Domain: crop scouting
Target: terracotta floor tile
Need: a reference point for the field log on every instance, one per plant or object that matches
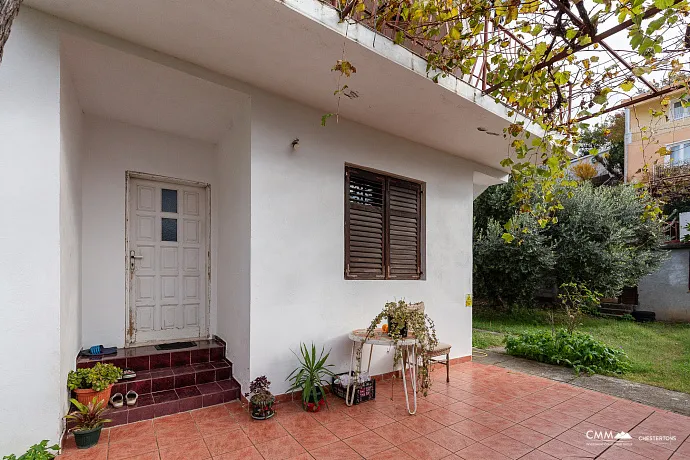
(138, 430)
(464, 409)
(207, 413)
(98, 452)
(421, 424)
(246, 453)
(195, 450)
(297, 422)
(227, 442)
(450, 440)
(579, 439)
(130, 448)
(313, 438)
(526, 435)
(396, 433)
(617, 453)
(336, 451)
(177, 435)
(492, 421)
(235, 407)
(329, 415)
(368, 444)
(646, 449)
(391, 454)
(444, 416)
(507, 446)
(173, 421)
(562, 450)
(216, 425)
(558, 418)
(263, 430)
(280, 448)
(473, 430)
(479, 451)
(424, 449)
(374, 419)
(543, 426)
(148, 456)
(346, 428)
(538, 455)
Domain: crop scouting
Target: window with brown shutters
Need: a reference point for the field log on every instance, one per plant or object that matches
(383, 226)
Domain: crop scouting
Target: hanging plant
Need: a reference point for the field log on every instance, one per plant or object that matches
(404, 321)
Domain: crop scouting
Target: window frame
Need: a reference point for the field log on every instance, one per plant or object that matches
(386, 250)
(669, 158)
(672, 114)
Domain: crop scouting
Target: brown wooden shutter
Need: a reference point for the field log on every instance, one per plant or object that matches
(364, 225)
(404, 229)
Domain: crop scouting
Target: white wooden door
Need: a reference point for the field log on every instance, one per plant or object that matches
(167, 259)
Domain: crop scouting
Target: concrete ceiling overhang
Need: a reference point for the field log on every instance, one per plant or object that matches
(281, 48)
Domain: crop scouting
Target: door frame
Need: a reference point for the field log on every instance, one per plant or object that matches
(129, 314)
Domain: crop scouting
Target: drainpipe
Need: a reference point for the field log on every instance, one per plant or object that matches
(626, 140)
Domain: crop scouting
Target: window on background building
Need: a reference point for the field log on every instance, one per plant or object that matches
(680, 153)
(383, 226)
(678, 111)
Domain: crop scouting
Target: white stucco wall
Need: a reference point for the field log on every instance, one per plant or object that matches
(234, 226)
(298, 291)
(30, 235)
(111, 148)
(71, 123)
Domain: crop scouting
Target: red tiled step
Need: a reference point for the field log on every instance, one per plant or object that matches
(148, 358)
(167, 402)
(175, 377)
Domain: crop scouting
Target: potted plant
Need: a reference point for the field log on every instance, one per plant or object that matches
(89, 422)
(93, 382)
(261, 399)
(402, 316)
(40, 451)
(311, 377)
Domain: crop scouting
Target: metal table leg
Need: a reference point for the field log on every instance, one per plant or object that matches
(413, 378)
(349, 401)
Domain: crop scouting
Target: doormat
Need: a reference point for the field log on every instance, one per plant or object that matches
(175, 346)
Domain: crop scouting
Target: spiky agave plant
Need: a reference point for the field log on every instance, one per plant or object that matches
(88, 416)
(311, 376)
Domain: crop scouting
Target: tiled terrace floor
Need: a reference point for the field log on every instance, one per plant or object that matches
(485, 413)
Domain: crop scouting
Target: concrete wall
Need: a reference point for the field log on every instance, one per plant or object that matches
(71, 130)
(111, 148)
(234, 233)
(30, 235)
(666, 290)
(298, 290)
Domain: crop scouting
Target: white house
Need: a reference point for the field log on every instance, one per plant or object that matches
(187, 135)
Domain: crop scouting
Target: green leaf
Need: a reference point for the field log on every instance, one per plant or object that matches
(627, 85)
(507, 237)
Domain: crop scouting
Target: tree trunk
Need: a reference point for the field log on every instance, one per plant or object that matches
(8, 11)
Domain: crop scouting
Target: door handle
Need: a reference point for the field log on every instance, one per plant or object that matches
(133, 258)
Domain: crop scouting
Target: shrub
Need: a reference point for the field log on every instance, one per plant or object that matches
(577, 299)
(40, 451)
(97, 378)
(584, 171)
(579, 351)
(511, 273)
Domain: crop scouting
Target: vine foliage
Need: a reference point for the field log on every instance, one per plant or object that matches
(402, 315)
(549, 62)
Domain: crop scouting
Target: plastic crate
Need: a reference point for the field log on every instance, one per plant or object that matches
(366, 391)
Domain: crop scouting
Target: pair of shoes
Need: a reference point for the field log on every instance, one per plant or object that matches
(128, 373)
(117, 400)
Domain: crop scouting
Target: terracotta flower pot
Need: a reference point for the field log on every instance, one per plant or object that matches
(85, 396)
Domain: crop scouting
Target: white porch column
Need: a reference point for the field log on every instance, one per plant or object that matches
(30, 234)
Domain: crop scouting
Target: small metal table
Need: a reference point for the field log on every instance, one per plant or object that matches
(378, 337)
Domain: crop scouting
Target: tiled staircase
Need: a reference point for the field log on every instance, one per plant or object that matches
(171, 381)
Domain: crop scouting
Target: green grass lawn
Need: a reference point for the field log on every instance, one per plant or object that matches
(659, 352)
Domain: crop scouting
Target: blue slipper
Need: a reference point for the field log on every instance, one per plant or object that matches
(99, 350)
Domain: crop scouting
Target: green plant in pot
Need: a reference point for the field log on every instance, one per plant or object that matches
(96, 381)
(311, 377)
(261, 399)
(403, 316)
(88, 422)
(40, 451)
